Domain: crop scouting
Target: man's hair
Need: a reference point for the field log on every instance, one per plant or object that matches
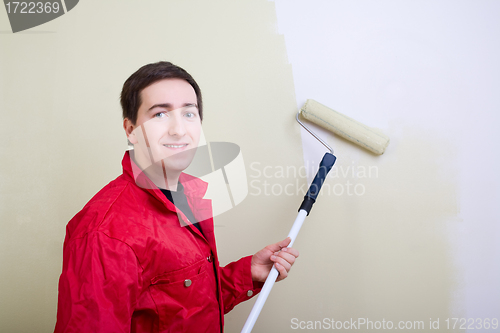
(130, 97)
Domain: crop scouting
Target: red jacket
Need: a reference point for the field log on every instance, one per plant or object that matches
(133, 263)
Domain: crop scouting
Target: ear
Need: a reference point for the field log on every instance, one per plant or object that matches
(129, 131)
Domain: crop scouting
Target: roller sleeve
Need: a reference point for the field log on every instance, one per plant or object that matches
(369, 138)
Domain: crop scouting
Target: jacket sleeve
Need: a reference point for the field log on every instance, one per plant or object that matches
(99, 285)
(236, 283)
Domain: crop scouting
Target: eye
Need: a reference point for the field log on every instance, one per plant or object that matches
(160, 115)
(191, 112)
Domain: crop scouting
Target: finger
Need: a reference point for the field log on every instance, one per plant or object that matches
(283, 272)
(287, 257)
(285, 242)
(291, 250)
(278, 246)
(283, 262)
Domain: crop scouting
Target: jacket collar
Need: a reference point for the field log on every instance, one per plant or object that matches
(194, 189)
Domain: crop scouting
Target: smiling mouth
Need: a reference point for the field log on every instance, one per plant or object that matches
(176, 146)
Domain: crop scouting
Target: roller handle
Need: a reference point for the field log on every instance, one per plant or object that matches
(324, 167)
(271, 278)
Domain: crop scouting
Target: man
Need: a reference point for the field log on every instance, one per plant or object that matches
(141, 255)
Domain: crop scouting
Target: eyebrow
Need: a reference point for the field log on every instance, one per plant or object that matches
(169, 106)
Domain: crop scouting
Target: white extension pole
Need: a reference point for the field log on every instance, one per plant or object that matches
(309, 199)
(271, 278)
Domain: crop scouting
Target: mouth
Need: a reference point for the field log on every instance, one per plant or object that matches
(176, 146)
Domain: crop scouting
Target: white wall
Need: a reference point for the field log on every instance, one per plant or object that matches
(425, 71)
(420, 242)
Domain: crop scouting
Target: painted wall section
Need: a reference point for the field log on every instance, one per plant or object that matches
(63, 137)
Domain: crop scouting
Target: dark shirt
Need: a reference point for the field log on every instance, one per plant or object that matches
(178, 198)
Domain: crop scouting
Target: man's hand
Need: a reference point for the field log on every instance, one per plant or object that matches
(278, 254)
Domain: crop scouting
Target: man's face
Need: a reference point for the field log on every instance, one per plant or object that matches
(168, 126)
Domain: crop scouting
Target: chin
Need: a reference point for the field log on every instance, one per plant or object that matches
(176, 165)
(180, 161)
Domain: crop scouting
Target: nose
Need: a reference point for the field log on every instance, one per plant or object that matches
(176, 125)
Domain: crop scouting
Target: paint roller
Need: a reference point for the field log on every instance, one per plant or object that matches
(369, 138)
